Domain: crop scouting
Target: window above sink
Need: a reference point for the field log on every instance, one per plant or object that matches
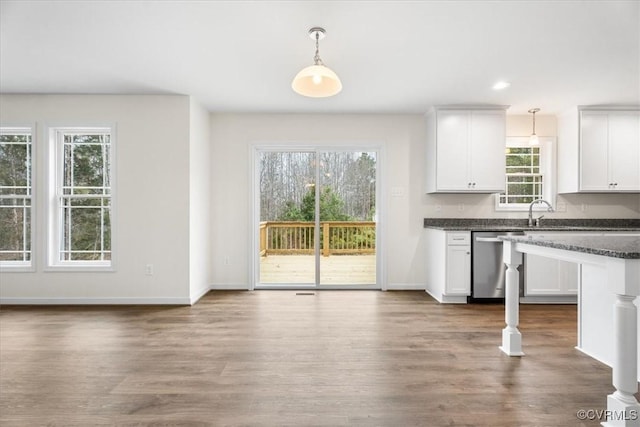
(529, 174)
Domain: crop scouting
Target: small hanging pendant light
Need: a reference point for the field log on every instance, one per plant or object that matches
(533, 139)
(317, 80)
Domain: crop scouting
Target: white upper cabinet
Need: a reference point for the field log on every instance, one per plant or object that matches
(465, 150)
(599, 151)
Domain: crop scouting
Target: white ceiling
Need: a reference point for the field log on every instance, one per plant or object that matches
(392, 56)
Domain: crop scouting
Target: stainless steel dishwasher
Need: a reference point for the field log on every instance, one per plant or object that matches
(487, 268)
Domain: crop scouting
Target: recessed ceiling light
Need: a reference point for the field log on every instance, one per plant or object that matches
(501, 85)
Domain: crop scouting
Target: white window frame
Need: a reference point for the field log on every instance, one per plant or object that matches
(547, 170)
(25, 265)
(55, 260)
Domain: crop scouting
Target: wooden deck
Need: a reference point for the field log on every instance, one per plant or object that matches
(334, 270)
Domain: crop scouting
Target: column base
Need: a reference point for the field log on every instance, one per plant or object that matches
(622, 412)
(511, 342)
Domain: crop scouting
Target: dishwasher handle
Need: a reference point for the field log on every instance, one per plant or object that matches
(488, 239)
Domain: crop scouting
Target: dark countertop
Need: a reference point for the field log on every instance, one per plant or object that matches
(510, 224)
(627, 247)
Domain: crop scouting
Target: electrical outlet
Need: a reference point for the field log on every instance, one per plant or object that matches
(438, 208)
(561, 207)
(583, 207)
(148, 269)
(460, 207)
(226, 260)
(397, 192)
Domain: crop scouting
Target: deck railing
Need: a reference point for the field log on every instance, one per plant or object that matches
(336, 237)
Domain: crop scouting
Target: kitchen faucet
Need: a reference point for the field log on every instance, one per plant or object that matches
(549, 209)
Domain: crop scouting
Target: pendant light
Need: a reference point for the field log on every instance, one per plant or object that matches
(533, 139)
(317, 80)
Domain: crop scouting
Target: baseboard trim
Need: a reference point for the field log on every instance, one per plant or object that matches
(447, 299)
(569, 299)
(198, 295)
(230, 287)
(405, 287)
(97, 301)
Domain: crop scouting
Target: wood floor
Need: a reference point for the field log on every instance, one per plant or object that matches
(274, 358)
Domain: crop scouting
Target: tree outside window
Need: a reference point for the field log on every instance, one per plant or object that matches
(15, 196)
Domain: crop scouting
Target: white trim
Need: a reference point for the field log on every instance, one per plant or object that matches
(51, 137)
(405, 287)
(548, 160)
(447, 299)
(230, 287)
(198, 295)
(84, 267)
(551, 299)
(26, 266)
(96, 301)
(254, 218)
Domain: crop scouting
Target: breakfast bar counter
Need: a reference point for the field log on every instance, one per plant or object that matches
(619, 258)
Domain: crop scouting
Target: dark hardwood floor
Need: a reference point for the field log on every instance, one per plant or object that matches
(275, 358)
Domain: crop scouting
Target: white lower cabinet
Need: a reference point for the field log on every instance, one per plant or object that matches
(448, 263)
(550, 277)
(458, 281)
(552, 280)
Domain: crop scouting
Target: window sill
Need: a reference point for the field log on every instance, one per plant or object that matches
(77, 268)
(524, 208)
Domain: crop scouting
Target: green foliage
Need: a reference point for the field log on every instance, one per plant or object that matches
(15, 212)
(291, 212)
(331, 206)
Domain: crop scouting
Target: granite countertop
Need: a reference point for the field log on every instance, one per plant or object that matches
(511, 224)
(612, 246)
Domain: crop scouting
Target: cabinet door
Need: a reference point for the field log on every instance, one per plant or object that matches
(458, 270)
(624, 151)
(548, 276)
(594, 137)
(452, 150)
(487, 150)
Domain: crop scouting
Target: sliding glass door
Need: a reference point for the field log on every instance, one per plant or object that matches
(317, 218)
(347, 218)
(287, 218)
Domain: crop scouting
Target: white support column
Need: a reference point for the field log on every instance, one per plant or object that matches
(511, 337)
(623, 409)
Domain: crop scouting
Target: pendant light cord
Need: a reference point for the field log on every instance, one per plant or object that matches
(534, 122)
(316, 58)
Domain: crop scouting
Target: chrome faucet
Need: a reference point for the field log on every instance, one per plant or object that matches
(537, 222)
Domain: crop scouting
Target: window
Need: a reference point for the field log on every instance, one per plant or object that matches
(528, 174)
(81, 197)
(16, 197)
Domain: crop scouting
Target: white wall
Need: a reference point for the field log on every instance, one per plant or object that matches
(232, 136)
(199, 202)
(152, 196)
(182, 182)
